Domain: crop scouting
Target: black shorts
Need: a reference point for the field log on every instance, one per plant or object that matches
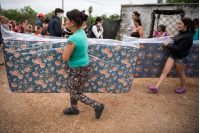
(182, 60)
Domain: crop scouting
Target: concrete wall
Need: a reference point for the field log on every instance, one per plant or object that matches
(146, 12)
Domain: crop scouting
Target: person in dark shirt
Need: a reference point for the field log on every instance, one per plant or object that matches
(54, 27)
(178, 54)
(38, 21)
(20, 25)
(45, 26)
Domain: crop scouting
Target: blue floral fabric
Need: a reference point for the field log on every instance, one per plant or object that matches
(35, 65)
(152, 58)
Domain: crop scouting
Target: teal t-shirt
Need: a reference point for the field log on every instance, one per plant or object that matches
(196, 35)
(79, 56)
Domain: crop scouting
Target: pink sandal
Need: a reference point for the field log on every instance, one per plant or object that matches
(153, 88)
(180, 91)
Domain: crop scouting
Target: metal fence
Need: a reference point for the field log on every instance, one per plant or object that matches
(169, 18)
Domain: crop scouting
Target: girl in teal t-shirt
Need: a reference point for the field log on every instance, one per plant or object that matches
(76, 54)
(196, 35)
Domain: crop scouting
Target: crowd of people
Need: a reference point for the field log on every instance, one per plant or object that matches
(51, 27)
(76, 50)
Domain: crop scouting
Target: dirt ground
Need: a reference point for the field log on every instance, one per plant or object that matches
(139, 111)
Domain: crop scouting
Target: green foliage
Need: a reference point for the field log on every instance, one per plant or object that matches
(179, 1)
(12, 14)
(50, 14)
(28, 10)
(104, 16)
(91, 19)
(20, 15)
(114, 17)
(160, 1)
(90, 9)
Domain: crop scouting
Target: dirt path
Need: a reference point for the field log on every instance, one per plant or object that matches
(138, 111)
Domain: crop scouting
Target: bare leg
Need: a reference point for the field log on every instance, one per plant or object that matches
(181, 72)
(168, 66)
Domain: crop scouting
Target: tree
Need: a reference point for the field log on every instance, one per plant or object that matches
(50, 14)
(28, 10)
(160, 1)
(179, 1)
(12, 14)
(91, 20)
(104, 16)
(114, 17)
(90, 10)
(20, 15)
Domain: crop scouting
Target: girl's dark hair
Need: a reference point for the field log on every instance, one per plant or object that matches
(136, 13)
(138, 21)
(196, 20)
(97, 20)
(162, 27)
(38, 27)
(190, 24)
(46, 20)
(77, 16)
(26, 19)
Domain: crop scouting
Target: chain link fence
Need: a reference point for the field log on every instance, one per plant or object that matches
(169, 18)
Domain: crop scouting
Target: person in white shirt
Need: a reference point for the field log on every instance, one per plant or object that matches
(27, 27)
(135, 14)
(97, 29)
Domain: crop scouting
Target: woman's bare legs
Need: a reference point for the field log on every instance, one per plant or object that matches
(181, 72)
(168, 66)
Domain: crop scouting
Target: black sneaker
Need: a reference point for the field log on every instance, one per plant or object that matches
(98, 111)
(69, 111)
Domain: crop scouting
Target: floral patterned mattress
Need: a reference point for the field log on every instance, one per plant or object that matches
(34, 64)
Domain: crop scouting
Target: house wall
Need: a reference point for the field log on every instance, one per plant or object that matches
(146, 14)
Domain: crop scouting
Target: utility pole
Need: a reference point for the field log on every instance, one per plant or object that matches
(63, 9)
(0, 10)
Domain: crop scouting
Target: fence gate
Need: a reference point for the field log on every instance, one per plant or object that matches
(169, 18)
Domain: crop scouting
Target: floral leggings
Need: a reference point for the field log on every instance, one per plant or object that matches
(79, 76)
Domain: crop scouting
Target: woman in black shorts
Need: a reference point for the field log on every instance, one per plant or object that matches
(179, 54)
